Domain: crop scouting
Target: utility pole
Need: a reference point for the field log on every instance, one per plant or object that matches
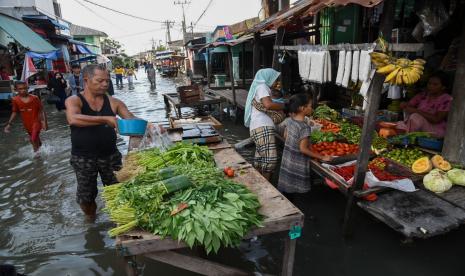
(184, 31)
(168, 24)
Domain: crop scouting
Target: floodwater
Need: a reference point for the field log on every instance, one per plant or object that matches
(42, 230)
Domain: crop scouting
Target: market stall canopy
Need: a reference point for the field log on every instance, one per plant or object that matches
(237, 41)
(43, 19)
(84, 59)
(302, 9)
(81, 47)
(24, 35)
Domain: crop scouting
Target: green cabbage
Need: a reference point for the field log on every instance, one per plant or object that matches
(457, 176)
(436, 181)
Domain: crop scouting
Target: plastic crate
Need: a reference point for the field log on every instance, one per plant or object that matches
(430, 143)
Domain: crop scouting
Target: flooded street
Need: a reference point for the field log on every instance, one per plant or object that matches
(42, 229)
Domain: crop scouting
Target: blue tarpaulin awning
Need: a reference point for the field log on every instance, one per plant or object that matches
(45, 19)
(84, 50)
(24, 36)
(51, 55)
(85, 59)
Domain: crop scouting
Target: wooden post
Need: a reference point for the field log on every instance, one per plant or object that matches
(131, 266)
(243, 65)
(369, 122)
(278, 42)
(316, 21)
(231, 74)
(256, 52)
(387, 19)
(454, 142)
(209, 67)
(289, 256)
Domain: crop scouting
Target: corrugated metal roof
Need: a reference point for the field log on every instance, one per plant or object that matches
(77, 30)
(302, 9)
(24, 35)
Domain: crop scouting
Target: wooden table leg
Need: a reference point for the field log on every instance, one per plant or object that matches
(179, 112)
(289, 256)
(131, 266)
(221, 111)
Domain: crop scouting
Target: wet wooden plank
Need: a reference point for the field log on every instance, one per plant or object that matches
(456, 196)
(415, 215)
(194, 264)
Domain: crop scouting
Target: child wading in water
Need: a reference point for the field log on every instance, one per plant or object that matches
(294, 175)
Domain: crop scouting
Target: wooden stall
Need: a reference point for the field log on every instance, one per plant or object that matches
(280, 216)
(172, 99)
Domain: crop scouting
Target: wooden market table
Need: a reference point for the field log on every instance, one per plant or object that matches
(419, 214)
(173, 99)
(280, 215)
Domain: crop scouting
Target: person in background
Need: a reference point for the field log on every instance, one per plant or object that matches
(131, 76)
(261, 126)
(428, 110)
(57, 84)
(111, 88)
(294, 175)
(31, 110)
(75, 80)
(92, 119)
(152, 76)
(119, 73)
(3, 73)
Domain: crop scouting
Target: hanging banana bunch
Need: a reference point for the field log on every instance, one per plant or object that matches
(398, 71)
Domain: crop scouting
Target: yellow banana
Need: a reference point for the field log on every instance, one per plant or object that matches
(419, 61)
(399, 77)
(414, 76)
(405, 76)
(404, 62)
(386, 69)
(392, 75)
(418, 66)
(378, 55)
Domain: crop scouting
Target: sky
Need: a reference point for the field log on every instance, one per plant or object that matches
(136, 35)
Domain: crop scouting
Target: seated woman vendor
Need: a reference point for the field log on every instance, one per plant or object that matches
(428, 110)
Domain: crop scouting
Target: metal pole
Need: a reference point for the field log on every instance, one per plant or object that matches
(231, 74)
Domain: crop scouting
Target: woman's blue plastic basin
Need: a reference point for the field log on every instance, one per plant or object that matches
(132, 127)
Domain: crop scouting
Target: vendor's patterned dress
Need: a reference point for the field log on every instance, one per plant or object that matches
(294, 175)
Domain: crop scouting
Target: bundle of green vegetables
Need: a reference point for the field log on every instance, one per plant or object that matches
(327, 113)
(185, 197)
(351, 132)
(322, 136)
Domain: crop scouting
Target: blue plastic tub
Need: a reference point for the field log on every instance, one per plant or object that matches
(132, 127)
(430, 143)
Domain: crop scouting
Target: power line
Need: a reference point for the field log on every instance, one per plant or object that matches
(203, 13)
(139, 33)
(92, 11)
(123, 13)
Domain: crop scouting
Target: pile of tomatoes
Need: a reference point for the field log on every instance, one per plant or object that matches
(346, 172)
(328, 126)
(334, 148)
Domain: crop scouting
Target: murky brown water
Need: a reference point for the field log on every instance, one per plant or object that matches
(42, 231)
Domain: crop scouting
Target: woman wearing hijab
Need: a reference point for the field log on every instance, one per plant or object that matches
(58, 86)
(261, 126)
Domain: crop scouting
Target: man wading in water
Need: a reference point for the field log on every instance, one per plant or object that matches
(92, 118)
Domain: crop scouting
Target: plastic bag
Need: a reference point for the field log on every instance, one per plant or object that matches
(433, 17)
(155, 138)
